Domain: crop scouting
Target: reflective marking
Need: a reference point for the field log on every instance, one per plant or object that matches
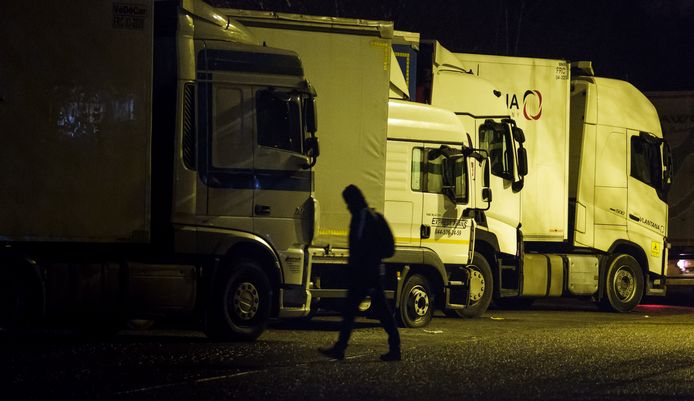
(332, 232)
(433, 240)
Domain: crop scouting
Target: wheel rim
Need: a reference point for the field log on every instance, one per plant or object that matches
(624, 284)
(476, 285)
(246, 301)
(418, 302)
(364, 305)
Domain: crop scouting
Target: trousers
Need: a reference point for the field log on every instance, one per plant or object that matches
(356, 294)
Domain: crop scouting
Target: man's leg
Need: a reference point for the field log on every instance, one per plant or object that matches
(385, 315)
(354, 298)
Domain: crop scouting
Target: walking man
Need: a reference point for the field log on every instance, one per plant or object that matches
(365, 276)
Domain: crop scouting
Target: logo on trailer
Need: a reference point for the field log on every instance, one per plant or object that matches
(532, 105)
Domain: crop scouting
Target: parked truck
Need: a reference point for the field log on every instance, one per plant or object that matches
(676, 112)
(566, 218)
(428, 67)
(585, 205)
(156, 161)
(411, 160)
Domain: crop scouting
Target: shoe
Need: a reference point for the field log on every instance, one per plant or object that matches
(392, 355)
(332, 353)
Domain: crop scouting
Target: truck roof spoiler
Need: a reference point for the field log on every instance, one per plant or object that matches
(225, 28)
(584, 68)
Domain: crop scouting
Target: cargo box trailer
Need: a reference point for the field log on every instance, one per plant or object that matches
(156, 161)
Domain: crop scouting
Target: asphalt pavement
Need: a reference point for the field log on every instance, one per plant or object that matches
(559, 350)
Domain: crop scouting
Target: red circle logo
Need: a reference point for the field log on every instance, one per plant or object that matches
(532, 109)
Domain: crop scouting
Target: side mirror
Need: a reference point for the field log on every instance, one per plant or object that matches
(667, 172)
(311, 115)
(522, 162)
(518, 135)
(482, 183)
(486, 194)
(312, 150)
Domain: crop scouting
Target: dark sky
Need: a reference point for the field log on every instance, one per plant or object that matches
(647, 42)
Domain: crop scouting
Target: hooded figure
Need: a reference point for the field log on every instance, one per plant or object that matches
(364, 260)
(365, 277)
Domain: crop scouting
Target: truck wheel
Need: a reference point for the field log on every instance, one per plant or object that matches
(623, 284)
(481, 287)
(240, 304)
(416, 303)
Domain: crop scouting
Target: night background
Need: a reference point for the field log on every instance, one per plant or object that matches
(646, 42)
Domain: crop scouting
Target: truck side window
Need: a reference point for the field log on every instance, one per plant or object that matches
(495, 138)
(428, 175)
(646, 163)
(278, 120)
(229, 141)
(434, 175)
(417, 174)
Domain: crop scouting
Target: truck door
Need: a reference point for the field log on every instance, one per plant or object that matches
(443, 183)
(496, 139)
(226, 154)
(647, 213)
(282, 184)
(403, 208)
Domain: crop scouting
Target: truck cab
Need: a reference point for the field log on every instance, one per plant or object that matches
(435, 185)
(246, 146)
(593, 218)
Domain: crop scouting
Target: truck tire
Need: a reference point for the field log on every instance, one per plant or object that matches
(481, 287)
(624, 284)
(416, 302)
(240, 305)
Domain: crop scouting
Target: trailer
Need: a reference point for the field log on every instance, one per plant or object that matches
(156, 161)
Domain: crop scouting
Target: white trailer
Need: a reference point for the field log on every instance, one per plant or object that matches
(156, 161)
(368, 142)
(593, 219)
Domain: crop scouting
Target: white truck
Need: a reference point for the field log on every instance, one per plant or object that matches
(156, 161)
(582, 212)
(676, 112)
(409, 159)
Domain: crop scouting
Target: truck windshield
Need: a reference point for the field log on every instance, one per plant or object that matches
(278, 117)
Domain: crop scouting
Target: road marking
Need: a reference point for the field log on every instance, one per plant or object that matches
(223, 377)
(335, 360)
(203, 380)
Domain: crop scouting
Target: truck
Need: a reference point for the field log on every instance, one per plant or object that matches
(156, 162)
(410, 160)
(676, 112)
(428, 66)
(584, 202)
